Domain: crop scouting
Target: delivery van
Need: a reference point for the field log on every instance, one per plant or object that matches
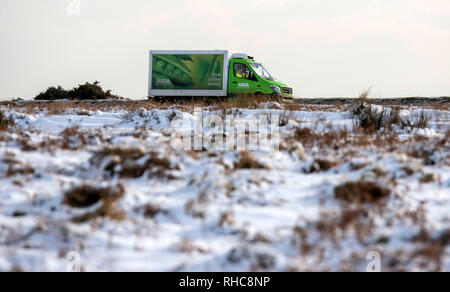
(209, 74)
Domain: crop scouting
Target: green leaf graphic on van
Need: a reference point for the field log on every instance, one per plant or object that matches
(197, 72)
(185, 57)
(173, 68)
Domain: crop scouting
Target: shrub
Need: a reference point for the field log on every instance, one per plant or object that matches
(87, 91)
(53, 93)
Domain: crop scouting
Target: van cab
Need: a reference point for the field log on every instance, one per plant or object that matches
(245, 76)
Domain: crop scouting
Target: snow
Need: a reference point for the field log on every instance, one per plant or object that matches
(214, 217)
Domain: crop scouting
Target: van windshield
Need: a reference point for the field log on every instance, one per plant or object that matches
(261, 71)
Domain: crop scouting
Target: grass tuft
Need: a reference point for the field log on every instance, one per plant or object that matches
(85, 196)
(247, 161)
(133, 162)
(361, 192)
(5, 122)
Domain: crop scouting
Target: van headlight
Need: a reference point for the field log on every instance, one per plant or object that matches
(275, 89)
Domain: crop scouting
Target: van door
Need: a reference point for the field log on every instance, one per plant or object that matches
(242, 80)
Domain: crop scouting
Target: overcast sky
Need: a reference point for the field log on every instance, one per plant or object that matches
(322, 48)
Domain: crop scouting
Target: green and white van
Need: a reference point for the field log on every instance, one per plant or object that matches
(210, 73)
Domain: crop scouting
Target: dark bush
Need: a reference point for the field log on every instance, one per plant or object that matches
(87, 91)
(53, 93)
(90, 91)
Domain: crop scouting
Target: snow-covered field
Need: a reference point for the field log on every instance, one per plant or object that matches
(109, 186)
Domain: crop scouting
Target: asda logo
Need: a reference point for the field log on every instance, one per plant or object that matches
(162, 81)
(246, 85)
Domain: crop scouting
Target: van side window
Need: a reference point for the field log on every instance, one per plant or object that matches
(241, 71)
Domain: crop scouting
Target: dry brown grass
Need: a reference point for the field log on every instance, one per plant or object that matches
(300, 237)
(5, 122)
(188, 246)
(249, 101)
(85, 107)
(247, 161)
(322, 165)
(371, 120)
(87, 195)
(73, 138)
(18, 168)
(82, 107)
(431, 250)
(355, 220)
(227, 219)
(195, 209)
(151, 210)
(344, 145)
(304, 135)
(333, 139)
(361, 102)
(423, 121)
(361, 192)
(15, 167)
(125, 162)
(368, 118)
(429, 178)
(256, 259)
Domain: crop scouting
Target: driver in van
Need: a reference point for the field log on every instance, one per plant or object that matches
(242, 71)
